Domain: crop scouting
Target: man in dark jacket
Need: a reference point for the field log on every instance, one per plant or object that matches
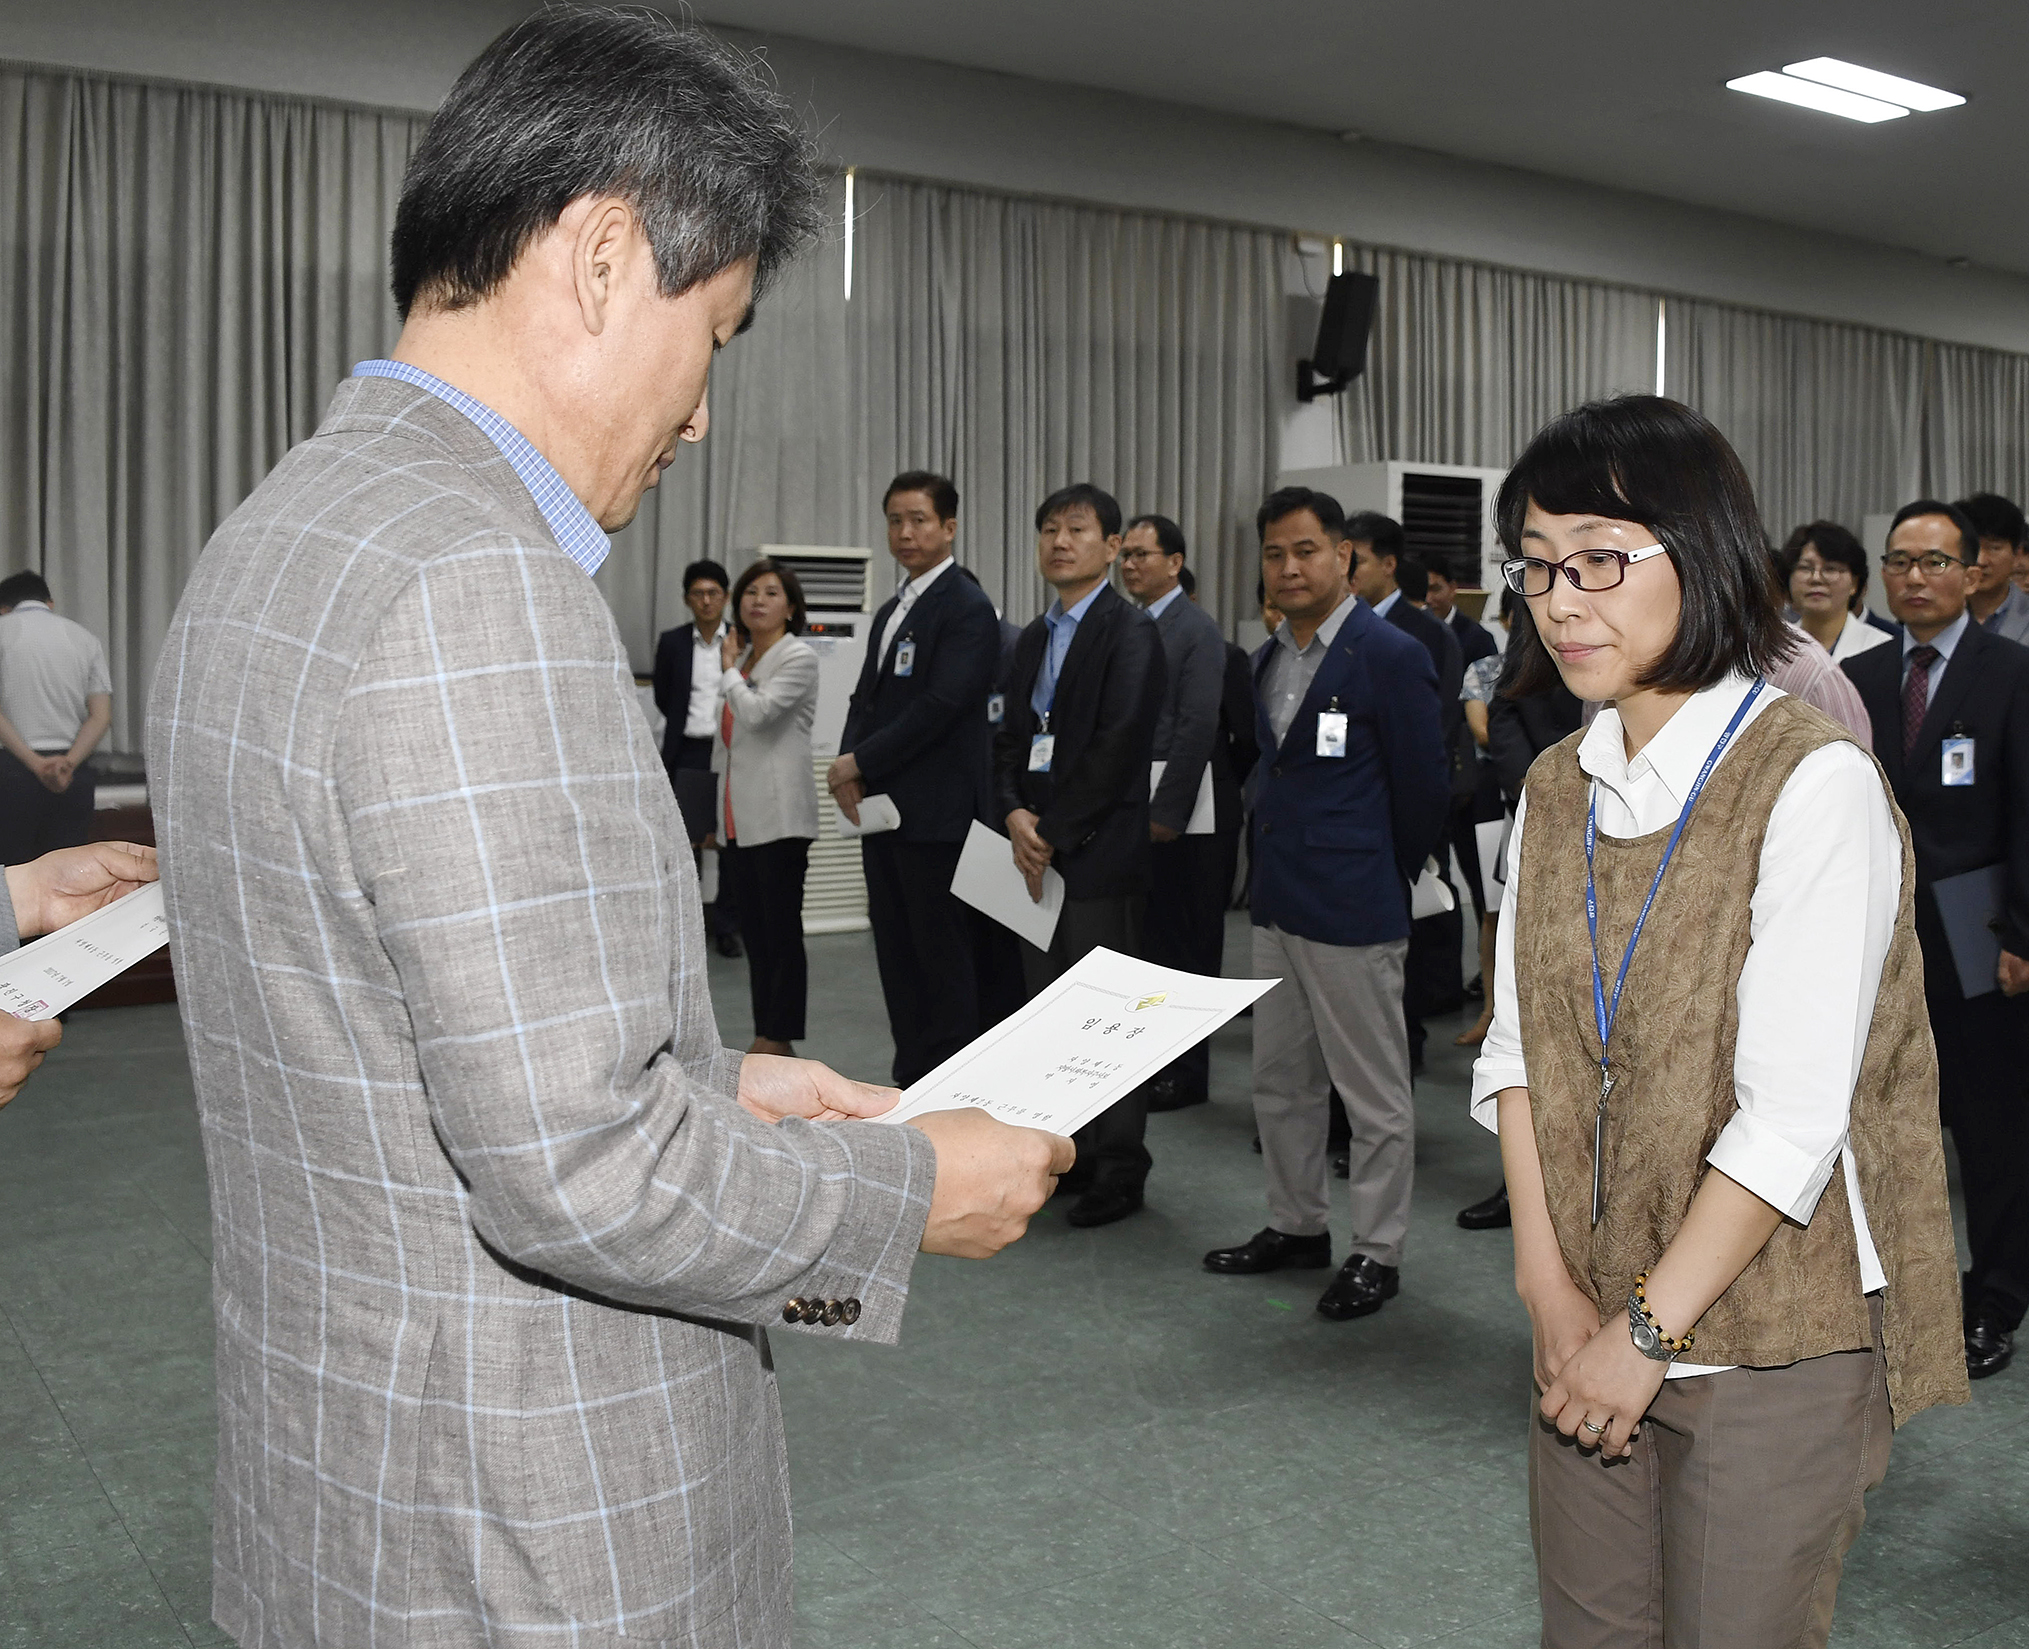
(1071, 778)
(1950, 710)
(687, 677)
(1475, 640)
(916, 732)
(1353, 794)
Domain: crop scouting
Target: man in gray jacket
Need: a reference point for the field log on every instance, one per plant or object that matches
(1189, 863)
(497, 1221)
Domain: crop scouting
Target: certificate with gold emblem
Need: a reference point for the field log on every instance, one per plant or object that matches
(1105, 1026)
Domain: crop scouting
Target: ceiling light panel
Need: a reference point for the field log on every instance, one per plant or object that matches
(1889, 88)
(1809, 94)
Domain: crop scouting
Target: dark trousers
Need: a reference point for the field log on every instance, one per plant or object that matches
(1983, 1098)
(768, 883)
(34, 820)
(1110, 1149)
(923, 943)
(722, 915)
(1186, 926)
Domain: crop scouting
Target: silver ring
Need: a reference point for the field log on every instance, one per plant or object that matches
(1597, 1431)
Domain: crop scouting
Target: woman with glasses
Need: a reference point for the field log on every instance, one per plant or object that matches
(1824, 571)
(1708, 1068)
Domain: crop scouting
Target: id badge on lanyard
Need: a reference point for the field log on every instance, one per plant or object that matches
(1042, 747)
(1605, 1013)
(1958, 762)
(905, 656)
(1331, 731)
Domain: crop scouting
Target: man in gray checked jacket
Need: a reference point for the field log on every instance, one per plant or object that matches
(497, 1221)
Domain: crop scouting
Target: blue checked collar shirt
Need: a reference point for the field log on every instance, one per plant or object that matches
(577, 534)
(1063, 630)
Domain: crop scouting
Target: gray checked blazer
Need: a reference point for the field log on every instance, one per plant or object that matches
(493, 1243)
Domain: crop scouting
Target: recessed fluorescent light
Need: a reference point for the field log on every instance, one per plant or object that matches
(1890, 88)
(1810, 95)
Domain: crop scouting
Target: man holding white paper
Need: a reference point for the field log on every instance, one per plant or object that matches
(1071, 777)
(1190, 864)
(916, 734)
(42, 896)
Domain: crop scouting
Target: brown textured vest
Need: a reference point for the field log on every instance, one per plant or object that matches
(1673, 1046)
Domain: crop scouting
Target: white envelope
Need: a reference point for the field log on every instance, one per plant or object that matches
(988, 881)
(877, 813)
(40, 980)
(1492, 836)
(1201, 810)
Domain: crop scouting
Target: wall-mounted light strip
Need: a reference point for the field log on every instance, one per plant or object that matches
(848, 233)
(1338, 257)
(1662, 342)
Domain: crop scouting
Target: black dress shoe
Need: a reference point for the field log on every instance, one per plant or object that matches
(1342, 1165)
(1104, 1204)
(1489, 1214)
(1165, 1093)
(729, 945)
(1271, 1250)
(1989, 1347)
(1361, 1288)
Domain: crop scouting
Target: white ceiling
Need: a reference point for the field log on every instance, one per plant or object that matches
(1630, 94)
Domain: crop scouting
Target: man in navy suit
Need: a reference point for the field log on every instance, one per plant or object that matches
(1071, 764)
(1353, 795)
(687, 676)
(1475, 640)
(1950, 712)
(916, 732)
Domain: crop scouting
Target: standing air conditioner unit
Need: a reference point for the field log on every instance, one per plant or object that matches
(840, 608)
(1446, 511)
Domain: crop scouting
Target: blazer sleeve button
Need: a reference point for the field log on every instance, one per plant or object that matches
(833, 1311)
(849, 1312)
(811, 1312)
(793, 1312)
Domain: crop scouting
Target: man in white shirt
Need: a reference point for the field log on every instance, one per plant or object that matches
(56, 702)
(688, 682)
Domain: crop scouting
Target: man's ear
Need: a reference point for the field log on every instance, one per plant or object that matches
(599, 246)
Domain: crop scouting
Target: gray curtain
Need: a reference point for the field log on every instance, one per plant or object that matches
(187, 274)
(1467, 361)
(1976, 424)
(1012, 344)
(1827, 418)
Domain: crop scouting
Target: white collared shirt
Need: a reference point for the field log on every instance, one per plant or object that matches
(1823, 913)
(701, 719)
(909, 595)
(1157, 607)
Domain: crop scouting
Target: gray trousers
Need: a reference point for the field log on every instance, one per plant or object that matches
(1335, 1021)
(1729, 1525)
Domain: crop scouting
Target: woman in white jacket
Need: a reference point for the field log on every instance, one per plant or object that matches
(767, 800)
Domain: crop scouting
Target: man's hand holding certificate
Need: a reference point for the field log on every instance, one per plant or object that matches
(1105, 1026)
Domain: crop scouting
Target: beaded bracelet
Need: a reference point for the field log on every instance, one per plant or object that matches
(1676, 1348)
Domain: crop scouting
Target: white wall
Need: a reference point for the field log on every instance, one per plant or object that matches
(1002, 132)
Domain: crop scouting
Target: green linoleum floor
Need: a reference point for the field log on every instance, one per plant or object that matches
(1088, 1443)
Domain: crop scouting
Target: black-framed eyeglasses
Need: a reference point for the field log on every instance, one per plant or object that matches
(1899, 562)
(1588, 570)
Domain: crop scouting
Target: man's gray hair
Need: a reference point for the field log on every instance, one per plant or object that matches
(577, 102)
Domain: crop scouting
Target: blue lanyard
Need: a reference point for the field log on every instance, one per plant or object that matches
(1604, 1013)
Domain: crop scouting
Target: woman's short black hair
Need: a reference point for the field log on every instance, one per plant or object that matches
(791, 587)
(1833, 543)
(1655, 461)
(570, 103)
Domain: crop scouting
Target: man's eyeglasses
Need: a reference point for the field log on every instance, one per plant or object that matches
(1144, 555)
(1899, 562)
(1588, 570)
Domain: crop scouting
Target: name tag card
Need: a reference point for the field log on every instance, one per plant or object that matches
(1041, 748)
(905, 656)
(1958, 762)
(996, 708)
(1331, 732)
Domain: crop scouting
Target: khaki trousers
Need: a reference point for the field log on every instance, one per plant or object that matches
(1728, 1527)
(1335, 1021)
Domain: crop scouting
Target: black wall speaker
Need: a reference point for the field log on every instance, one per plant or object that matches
(1340, 353)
